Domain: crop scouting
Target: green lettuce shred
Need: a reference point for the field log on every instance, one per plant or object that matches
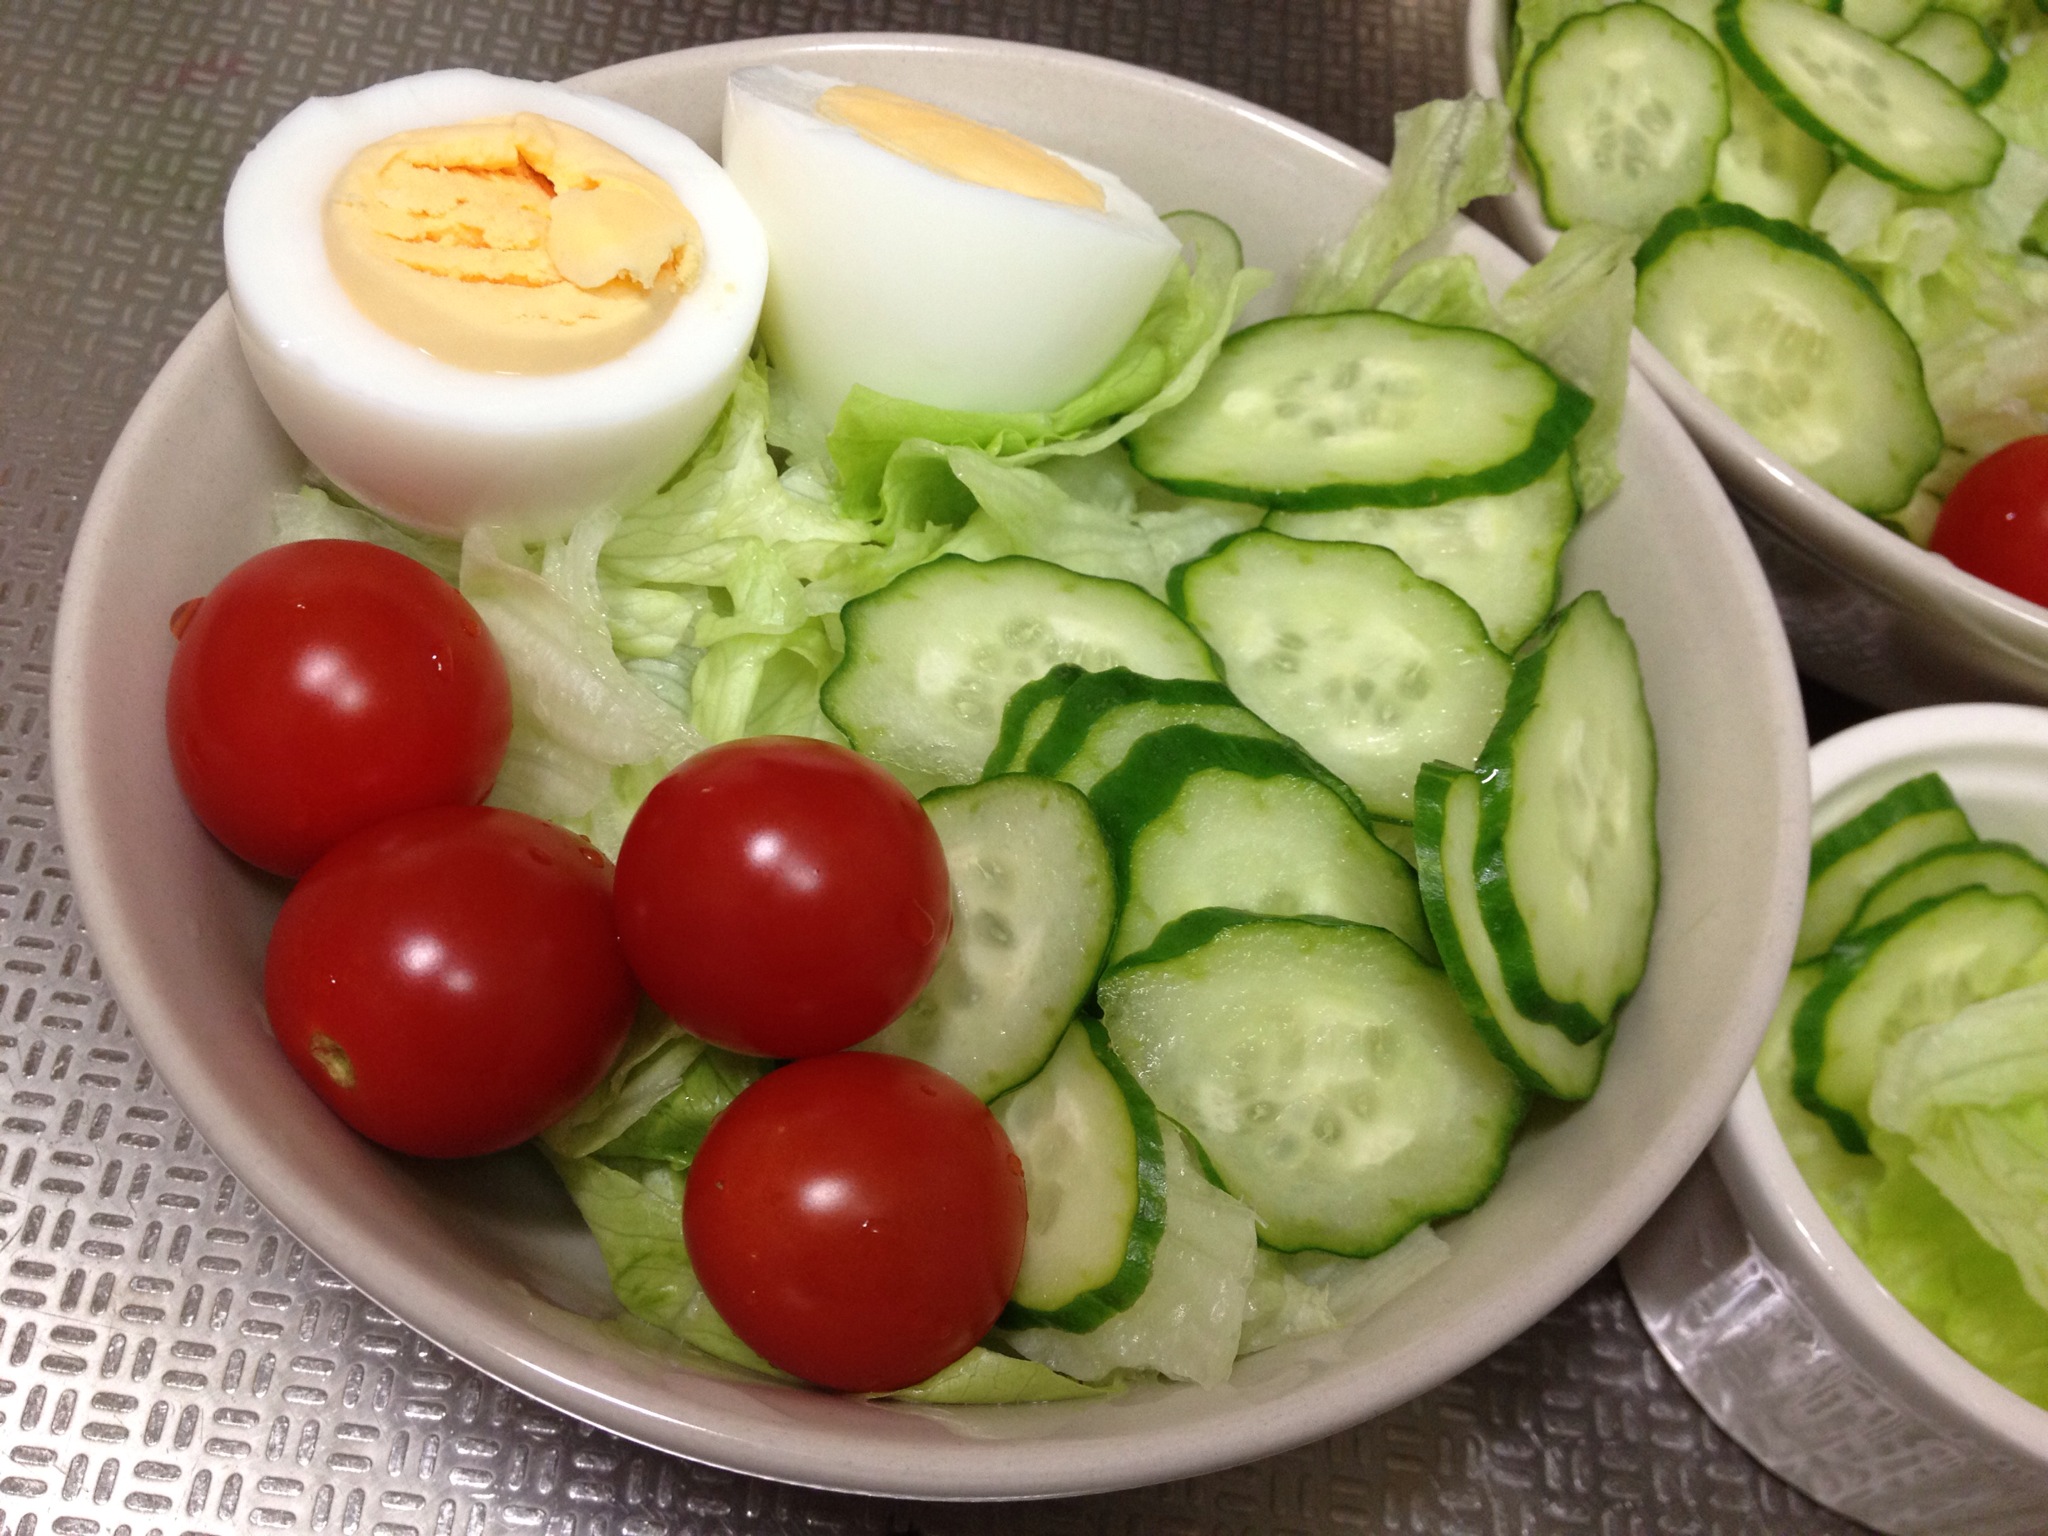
(1446, 153)
(1970, 1097)
(1575, 309)
(982, 1375)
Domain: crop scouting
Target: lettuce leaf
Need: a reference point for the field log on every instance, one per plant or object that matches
(1095, 515)
(1444, 290)
(551, 630)
(984, 1376)
(1970, 1097)
(1928, 1255)
(1294, 1295)
(638, 1225)
(1575, 309)
(675, 1125)
(312, 512)
(1446, 153)
(657, 1055)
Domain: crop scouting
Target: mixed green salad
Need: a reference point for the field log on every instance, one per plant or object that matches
(1843, 211)
(1907, 1069)
(1178, 666)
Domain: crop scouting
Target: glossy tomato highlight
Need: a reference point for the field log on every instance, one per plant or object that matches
(1994, 524)
(323, 686)
(782, 896)
(857, 1219)
(450, 981)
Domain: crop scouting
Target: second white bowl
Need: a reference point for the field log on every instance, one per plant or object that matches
(1759, 1303)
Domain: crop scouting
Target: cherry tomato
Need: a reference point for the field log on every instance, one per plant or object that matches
(856, 1219)
(782, 896)
(323, 686)
(1995, 522)
(450, 981)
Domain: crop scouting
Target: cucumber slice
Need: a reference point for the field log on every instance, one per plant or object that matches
(1108, 711)
(1782, 334)
(1567, 862)
(1362, 407)
(1908, 820)
(1330, 1075)
(1025, 718)
(1187, 1323)
(1198, 819)
(1875, 106)
(1446, 839)
(1885, 20)
(1103, 714)
(1621, 118)
(2004, 868)
(932, 658)
(1920, 967)
(1094, 1183)
(1034, 898)
(1499, 553)
(1374, 670)
(1768, 162)
(1959, 50)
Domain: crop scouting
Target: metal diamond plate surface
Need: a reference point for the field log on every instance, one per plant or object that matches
(170, 1359)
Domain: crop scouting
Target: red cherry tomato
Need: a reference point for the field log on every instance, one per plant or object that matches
(1995, 522)
(856, 1219)
(782, 896)
(450, 981)
(323, 686)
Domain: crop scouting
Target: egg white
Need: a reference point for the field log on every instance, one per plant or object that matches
(887, 273)
(443, 447)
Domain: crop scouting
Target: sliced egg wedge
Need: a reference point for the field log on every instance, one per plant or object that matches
(929, 256)
(475, 300)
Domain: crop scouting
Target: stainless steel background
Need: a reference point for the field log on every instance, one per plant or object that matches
(170, 1359)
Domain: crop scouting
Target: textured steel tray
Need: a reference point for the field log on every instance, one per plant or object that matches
(170, 1359)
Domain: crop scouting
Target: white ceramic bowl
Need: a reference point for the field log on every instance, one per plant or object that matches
(1763, 1309)
(488, 1259)
(1868, 612)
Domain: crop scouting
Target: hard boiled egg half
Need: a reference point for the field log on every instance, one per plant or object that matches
(929, 256)
(470, 299)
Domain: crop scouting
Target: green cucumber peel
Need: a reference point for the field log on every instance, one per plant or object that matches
(1928, 792)
(1841, 965)
(1091, 1309)
(1010, 742)
(1505, 923)
(1433, 786)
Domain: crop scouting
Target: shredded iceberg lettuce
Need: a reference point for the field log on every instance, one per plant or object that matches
(1969, 1095)
(1446, 153)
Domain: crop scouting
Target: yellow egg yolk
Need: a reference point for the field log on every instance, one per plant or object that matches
(956, 146)
(510, 245)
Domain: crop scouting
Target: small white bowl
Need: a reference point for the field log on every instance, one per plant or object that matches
(1770, 1319)
(1868, 612)
(490, 1261)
